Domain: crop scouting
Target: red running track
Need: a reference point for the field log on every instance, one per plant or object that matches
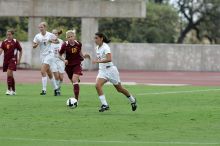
(139, 77)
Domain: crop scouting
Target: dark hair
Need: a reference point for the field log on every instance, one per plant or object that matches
(102, 35)
(60, 32)
(11, 31)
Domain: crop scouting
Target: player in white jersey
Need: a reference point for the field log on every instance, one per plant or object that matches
(44, 40)
(108, 72)
(58, 65)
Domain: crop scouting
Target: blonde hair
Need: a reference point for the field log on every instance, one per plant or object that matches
(44, 24)
(71, 32)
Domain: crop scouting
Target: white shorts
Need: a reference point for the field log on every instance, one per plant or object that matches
(110, 74)
(47, 59)
(57, 66)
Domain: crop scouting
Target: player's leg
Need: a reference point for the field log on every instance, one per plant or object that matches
(5, 68)
(10, 82)
(114, 78)
(10, 77)
(44, 79)
(124, 91)
(61, 79)
(76, 71)
(53, 81)
(100, 81)
(76, 88)
(54, 68)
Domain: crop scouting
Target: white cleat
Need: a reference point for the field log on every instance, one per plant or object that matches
(13, 93)
(8, 92)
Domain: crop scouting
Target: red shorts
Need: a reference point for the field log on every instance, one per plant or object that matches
(73, 69)
(10, 65)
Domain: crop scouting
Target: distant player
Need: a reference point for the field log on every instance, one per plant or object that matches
(108, 72)
(44, 40)
(73, 59)
(11, 48)
(58, 65)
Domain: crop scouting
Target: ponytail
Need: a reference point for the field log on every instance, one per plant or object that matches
(102, 35)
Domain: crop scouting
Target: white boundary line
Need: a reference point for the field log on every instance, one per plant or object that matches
(178, 92)
(115, 142)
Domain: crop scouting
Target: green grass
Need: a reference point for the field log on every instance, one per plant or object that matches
(29, 119)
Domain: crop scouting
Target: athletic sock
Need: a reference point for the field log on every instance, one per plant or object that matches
(58, 83)
(131, 98)
(13, 84)
(103, 100)
(76, 90)
(9, 82)
(44, 83)
(53, 82)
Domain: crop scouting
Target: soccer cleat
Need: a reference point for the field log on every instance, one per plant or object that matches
(8, 92)
(134, 105)
(43, 92)
(13, 93)
(104, 108)
(56, 92)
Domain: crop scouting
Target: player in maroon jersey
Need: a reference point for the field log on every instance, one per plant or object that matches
(10, 47)
(73, 52)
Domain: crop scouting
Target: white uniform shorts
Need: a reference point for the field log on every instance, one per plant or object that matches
(57, 66)
(47, 59)
(110, 74)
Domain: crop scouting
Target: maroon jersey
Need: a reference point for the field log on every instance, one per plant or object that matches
(10, 50)
(72, 52)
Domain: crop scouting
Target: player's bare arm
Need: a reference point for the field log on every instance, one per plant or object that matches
(108, 59)
(19, 56)
(85, 55)
(63, 59)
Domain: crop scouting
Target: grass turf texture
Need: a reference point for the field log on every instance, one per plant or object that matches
(29, 119)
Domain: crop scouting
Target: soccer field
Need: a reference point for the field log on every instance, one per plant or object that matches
(175, 116)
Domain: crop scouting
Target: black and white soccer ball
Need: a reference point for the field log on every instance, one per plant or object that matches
(72, 102)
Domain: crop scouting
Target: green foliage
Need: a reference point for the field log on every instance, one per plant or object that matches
(159, 26)
(64, 24)
(19, 24)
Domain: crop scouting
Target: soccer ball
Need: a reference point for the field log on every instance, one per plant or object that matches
(72, 102)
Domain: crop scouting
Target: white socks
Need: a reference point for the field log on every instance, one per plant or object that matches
(44, 83)
(58, 83)
(131, 98)
(103, 100)
(53, 82)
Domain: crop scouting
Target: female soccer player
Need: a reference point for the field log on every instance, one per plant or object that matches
(73, 58)
(44, 40)
(108, 72)
(58, 65)
(11, 47)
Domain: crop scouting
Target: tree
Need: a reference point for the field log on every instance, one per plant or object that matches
(197, 13)
(19, 24)
(159, 26)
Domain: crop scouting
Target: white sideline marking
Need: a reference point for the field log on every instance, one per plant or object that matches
(178, 92)
(112, 141)
(153, 84)
(108, 83)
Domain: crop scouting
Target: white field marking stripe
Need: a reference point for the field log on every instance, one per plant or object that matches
(104, 141)
(179, 92)
(152, 84)
(108, 83)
